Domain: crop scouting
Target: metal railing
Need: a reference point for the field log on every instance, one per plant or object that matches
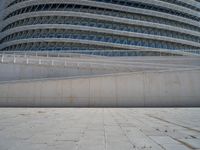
(51, 61)
(48, 53)
(104, 53)
(75, 61)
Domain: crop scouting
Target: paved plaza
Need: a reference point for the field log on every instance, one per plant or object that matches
(99, 129)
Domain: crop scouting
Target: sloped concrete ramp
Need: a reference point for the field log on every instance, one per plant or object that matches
(138, 89)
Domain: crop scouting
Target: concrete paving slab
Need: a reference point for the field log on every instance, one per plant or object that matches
(163, 140)
(175, 147)
(194, 143)
(99, 128)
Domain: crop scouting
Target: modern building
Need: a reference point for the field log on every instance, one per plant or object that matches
(129, 27)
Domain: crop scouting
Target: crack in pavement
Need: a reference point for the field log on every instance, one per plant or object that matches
(173, 123)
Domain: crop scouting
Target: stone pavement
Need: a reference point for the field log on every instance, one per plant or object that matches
(99, 129)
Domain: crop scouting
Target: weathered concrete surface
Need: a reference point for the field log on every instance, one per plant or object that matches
(99, 129)
(164, 88)
(9, 72)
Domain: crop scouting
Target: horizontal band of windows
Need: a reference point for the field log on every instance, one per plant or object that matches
(143, 6)
(177, 2)
(101, 24)
(151, 7)
(96, 10)
(180, 3)
(57, 46)
(93, 51)
(95, 37)
(88, 49)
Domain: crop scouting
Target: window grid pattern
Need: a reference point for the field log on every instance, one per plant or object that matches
(93, 36)
(101, 11)
(146, 6)
(165, 38)
(150, 7)
(43, 46)
(101, 24)
(82, 48)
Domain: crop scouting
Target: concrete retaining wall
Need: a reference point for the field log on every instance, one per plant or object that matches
(10, 72)
(169, 88)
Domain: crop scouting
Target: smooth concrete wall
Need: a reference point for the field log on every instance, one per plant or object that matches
(10, 72)
(168, 88)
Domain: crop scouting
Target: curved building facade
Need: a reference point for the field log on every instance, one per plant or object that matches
(131, 26)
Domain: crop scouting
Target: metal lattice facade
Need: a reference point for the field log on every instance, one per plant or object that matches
(146, 25)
